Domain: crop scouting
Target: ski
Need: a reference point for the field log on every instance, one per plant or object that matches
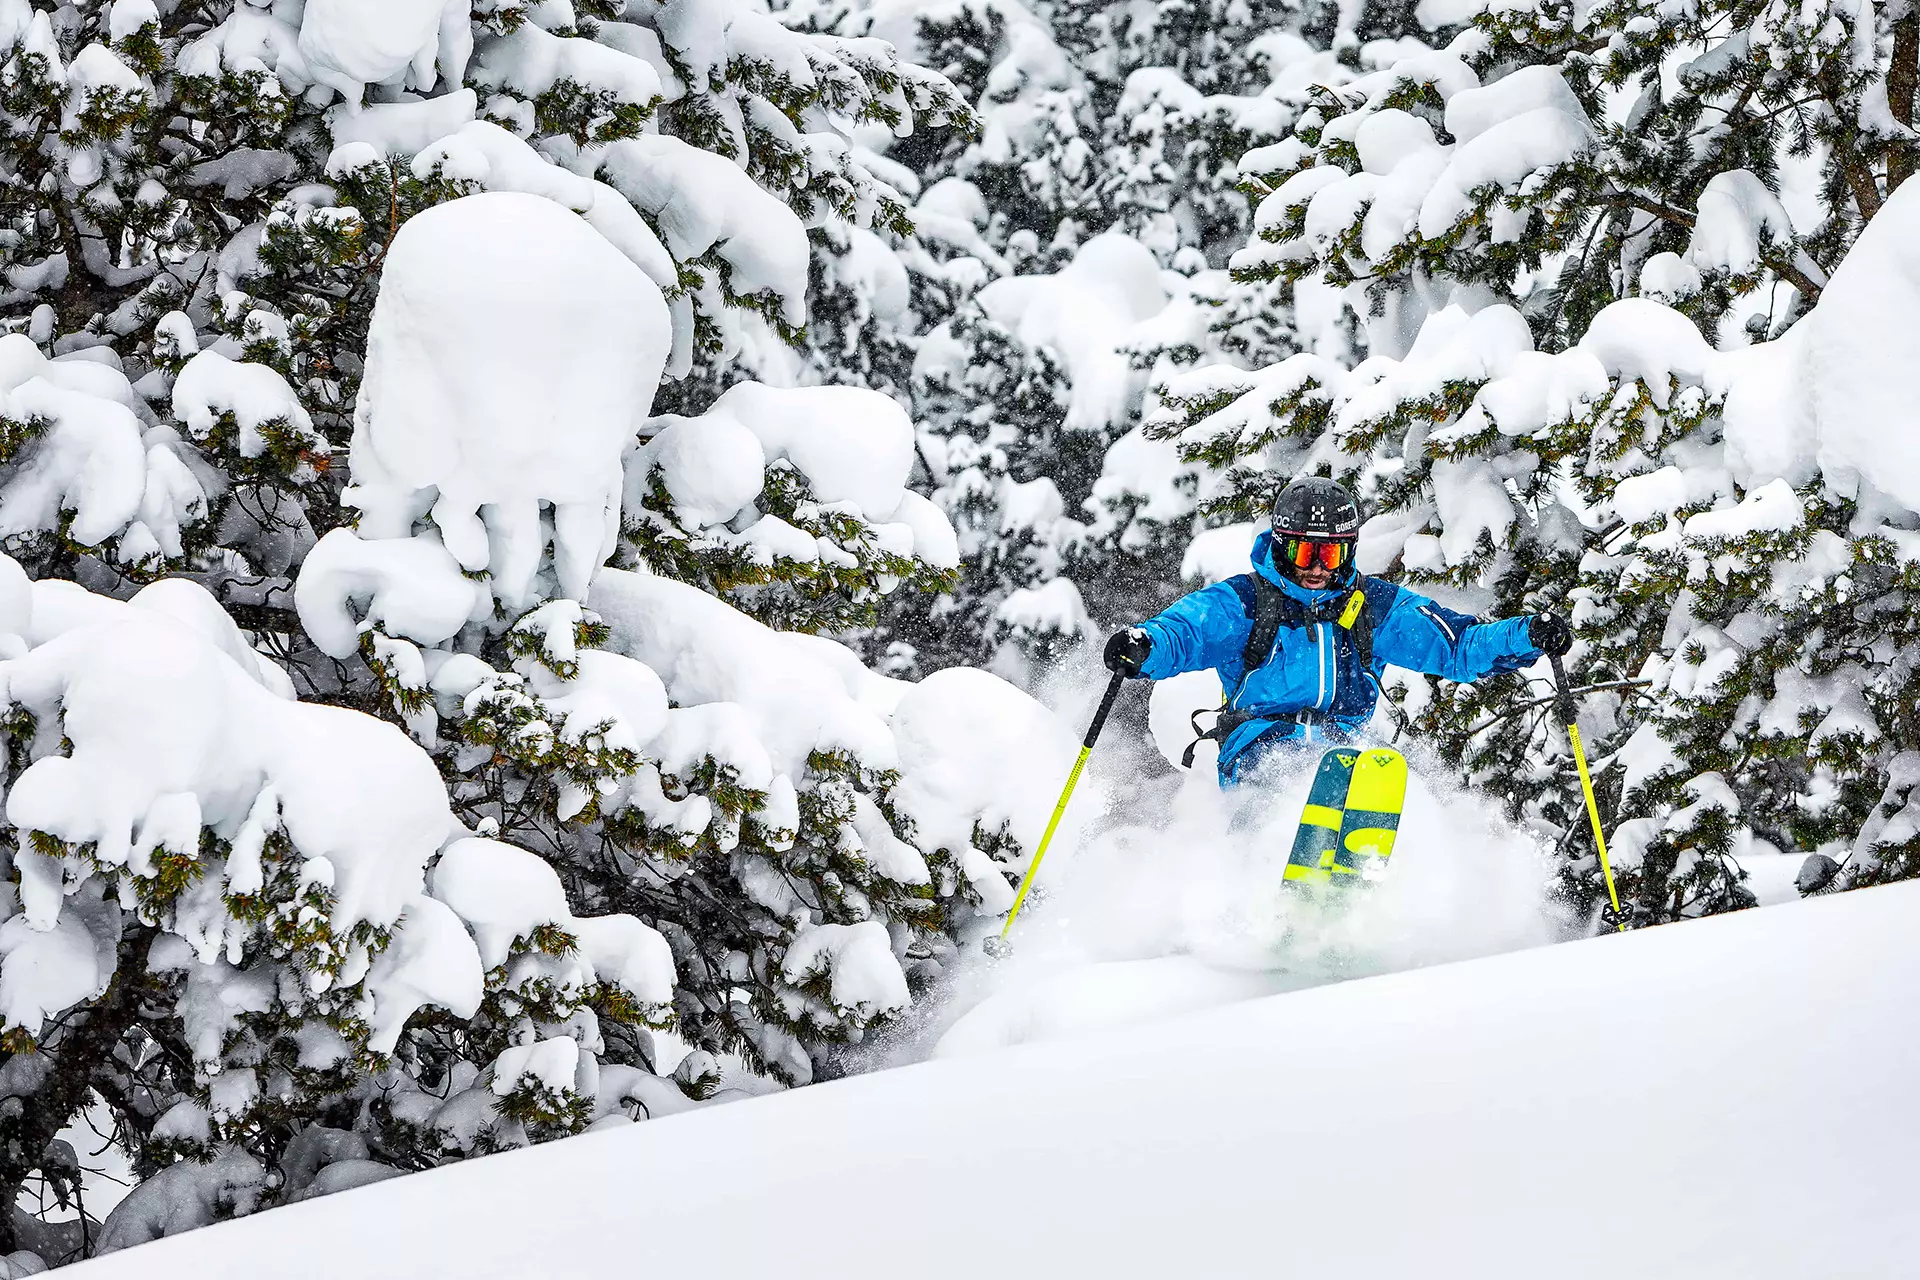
(1371, 820)
(1352, 817)
(1317, 839)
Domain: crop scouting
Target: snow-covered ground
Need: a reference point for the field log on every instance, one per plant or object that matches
(1727, 1088)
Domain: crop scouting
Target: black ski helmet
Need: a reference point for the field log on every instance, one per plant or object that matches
(1312, 507)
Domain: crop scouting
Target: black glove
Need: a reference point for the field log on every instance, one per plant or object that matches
(1127, 651)
(1550, 634)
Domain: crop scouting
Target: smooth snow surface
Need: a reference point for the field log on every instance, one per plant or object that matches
(1481, 1120)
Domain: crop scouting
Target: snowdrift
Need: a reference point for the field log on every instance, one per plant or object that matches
(1714, 1083)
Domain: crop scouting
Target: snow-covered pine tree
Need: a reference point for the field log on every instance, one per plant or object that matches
(1180, 91)
(1538, 223)
(334, 332)
(1034, 160)
(1087, 125)
(1013, 198)
(1023, 393)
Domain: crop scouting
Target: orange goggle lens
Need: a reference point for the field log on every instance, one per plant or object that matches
(1303, 552)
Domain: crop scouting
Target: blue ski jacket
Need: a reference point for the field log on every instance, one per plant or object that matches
(1312, 687)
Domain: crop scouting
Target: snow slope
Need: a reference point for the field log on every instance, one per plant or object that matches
(1710, 1082)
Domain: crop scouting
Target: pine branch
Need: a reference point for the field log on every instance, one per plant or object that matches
(1785, 268)
(264, 617)
(1524, 707)
(1665, 212)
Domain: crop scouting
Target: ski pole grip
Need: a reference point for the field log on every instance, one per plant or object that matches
(1563, 695)
(1100, 716)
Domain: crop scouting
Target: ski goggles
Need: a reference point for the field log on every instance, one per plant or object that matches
(1304, 553)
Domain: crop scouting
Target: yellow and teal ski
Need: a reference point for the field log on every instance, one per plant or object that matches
(1317, 841)
(1352, 817)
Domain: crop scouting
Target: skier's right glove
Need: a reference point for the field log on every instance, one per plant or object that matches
(1550, 634)
(1128, 650)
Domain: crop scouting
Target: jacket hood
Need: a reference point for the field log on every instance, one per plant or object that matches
(1265, 565)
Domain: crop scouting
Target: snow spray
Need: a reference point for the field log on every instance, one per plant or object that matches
(1175, 901)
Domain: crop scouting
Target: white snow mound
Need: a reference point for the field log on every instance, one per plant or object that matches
(1464, 1099)
(513, 354)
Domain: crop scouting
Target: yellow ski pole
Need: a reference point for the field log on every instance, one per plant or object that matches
(1073, 779)
(1564, 703)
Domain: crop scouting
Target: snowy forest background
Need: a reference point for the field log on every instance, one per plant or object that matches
(388, 779)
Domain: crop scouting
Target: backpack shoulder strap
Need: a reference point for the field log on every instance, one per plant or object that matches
(1270, 609)
(1269, 612)
(1371, 599)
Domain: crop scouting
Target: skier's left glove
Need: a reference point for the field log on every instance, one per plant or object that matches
(1128, 650)
(1550, 634)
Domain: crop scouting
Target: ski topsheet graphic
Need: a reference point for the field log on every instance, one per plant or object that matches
(1352, 815)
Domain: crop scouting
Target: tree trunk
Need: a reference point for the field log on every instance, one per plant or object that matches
(1866, 195)
(80, 1049)
(1902, 79)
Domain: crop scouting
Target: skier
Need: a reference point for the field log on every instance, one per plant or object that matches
(1300, 642)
